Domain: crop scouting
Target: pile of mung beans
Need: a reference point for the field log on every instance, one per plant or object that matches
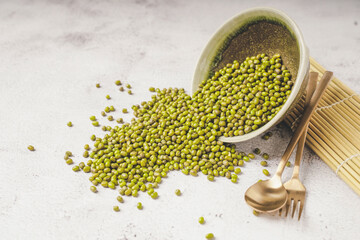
(174, 131)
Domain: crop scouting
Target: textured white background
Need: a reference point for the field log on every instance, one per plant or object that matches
(51, 55)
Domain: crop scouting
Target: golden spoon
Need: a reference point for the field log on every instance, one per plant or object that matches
(270, 195)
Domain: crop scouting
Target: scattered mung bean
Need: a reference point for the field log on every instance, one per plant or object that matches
(263, 163)
(93, 189)
(120, 199)
(154, 195)
(81, 165)
(257, 151)
(69, 161)
(93, 137)
(76, 168)
(210, 178)
(86, 169)
(209, 236)
(31, 148)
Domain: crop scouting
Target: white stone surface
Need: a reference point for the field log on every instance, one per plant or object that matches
(52, 54)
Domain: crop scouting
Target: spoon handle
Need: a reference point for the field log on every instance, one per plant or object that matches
(304, 120)
(300, 148)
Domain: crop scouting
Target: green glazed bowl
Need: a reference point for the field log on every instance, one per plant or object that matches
(255, 31)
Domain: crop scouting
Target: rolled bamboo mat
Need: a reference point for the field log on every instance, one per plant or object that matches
(334, 129)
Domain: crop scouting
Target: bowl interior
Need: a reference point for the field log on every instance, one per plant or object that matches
(259, 36)
(248, 34)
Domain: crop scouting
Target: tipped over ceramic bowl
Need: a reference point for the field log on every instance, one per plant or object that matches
(255, 31)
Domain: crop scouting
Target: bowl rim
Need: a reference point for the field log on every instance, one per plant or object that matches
(302, 73)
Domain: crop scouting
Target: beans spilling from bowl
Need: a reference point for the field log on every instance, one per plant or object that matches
(169, 133)
(246, 96)
(175, 131)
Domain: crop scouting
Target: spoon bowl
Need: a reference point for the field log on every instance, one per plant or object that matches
(267, 196)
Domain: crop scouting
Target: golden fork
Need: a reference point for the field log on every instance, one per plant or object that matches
(294, 187)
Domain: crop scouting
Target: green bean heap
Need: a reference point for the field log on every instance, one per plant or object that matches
(246, 96)
(176, 132)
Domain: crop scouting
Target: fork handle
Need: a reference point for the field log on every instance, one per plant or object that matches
(300, 148)
(304, 120)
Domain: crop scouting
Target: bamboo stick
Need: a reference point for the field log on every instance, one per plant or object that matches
(335, 159)
(323, 155)
(339, 148)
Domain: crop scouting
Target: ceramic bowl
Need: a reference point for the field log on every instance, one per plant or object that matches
(258, 30)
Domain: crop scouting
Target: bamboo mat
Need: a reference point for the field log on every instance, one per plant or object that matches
(334, 129)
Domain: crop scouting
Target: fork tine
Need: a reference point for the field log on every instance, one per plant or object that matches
(300, 209)
(288, 203)
(294, 207)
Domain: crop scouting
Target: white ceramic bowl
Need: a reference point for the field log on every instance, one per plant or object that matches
(221, 41)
